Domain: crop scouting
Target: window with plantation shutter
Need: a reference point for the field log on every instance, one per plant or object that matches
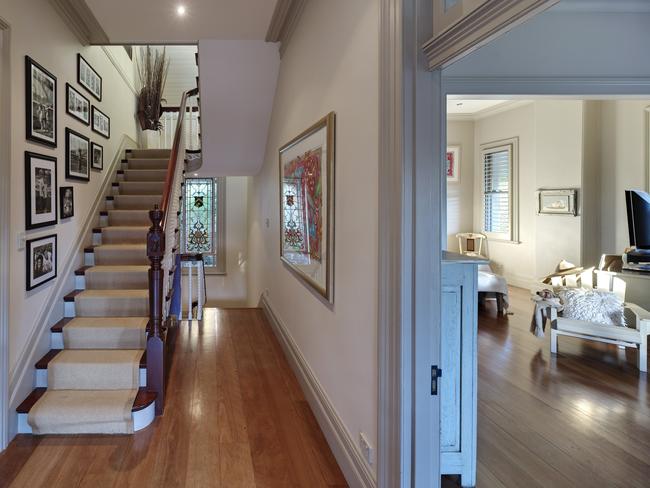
(499, 190)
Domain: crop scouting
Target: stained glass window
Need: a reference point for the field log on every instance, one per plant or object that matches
(295, 225)
(200, 218)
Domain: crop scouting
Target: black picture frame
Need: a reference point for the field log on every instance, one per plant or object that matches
(40, 115)
(97, 124)
(66, 202)
(93, 160)
(72, 172)
(83, 67)
(40, 245)
(40, 173)
(70, 90)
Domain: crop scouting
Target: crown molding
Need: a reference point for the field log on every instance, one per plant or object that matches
(603, 6)
(80, 19)
(479, 27)
(490, 111)
(285, 18)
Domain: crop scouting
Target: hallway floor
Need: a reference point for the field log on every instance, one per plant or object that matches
(235, 417)
(581, 419)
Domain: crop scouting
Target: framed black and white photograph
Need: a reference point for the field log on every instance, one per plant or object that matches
(41, 261)
(77, 156)
(40, 106)
(76, 104)
(97, 155)
(40, 190)
(101, 123)
(88, 78)
(66, 202)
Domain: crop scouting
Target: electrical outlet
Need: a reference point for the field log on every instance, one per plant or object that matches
(366, 449)
(20, 241)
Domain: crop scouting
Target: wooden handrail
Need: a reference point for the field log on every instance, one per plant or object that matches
(173, 157)
(156, 329)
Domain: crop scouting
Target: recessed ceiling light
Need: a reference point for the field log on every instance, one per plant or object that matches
(180, 10)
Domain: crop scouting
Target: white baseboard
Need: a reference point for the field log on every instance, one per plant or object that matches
(355, 469)
(22, 378)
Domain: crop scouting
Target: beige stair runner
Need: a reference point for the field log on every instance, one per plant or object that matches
(93, 382)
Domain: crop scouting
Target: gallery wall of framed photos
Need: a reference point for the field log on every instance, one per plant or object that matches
(81, 153)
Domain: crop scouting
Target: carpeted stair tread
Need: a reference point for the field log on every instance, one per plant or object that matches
(148, 174)
(148, 153)
(95, 369)
(121, 254)
(142, 400)
(124, 234)
(105, 333)
(135, 202)
(104, 277)
(83, 411)
(141, 187)
(113, 303)
(125, 218)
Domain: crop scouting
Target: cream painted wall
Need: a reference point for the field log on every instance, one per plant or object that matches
(331, 64)
(514, 260)
(624, 166)
(230, 290)
(38, 31)
(460, 196)
(550, 156)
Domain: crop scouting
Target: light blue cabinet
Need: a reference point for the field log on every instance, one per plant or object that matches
(458, 358)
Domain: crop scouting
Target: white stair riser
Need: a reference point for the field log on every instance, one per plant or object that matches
(89, 259)
(141, 419)
(103, 220)
(79, 282)
(69, 310)
(97, 238)
(41, 378)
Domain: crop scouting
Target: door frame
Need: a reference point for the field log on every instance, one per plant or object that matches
(5, 239)
(410, 165)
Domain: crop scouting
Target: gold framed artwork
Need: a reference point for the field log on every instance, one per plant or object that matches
(307, 205)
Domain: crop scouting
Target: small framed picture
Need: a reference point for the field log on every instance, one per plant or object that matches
(40, 190)
(97, 155)
(453, 164)
(41, 261)
(101, 123)
(77, 156)
(88, 78)
(77, 105)
(557, 202)
(66, 202)
(40, 103)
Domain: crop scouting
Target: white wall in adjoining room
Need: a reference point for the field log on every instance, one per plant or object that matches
(460, 195)
(331, 64)
(625, 142)
(514, 260)
(558, 161)
(38, 31)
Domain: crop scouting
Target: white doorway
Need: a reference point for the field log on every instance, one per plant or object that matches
(5, 152)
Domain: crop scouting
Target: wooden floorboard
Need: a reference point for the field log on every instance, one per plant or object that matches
(578, 419)
(235, 417)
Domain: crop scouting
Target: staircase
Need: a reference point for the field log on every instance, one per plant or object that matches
(94, 379)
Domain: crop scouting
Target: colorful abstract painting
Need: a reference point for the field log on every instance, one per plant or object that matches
(453, 163)
(306, 189)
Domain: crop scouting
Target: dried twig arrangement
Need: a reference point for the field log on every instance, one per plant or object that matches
(152, 67)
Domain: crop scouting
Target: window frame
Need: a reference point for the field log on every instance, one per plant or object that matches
(511, 145)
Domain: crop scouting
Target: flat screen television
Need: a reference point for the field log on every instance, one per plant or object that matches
(638, 223)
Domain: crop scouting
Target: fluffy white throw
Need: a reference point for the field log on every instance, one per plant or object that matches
(598, 306)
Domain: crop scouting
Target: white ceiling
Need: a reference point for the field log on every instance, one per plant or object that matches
(156, 21)
(471, 107)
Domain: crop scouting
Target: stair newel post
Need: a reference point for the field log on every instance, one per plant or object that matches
(156, 332)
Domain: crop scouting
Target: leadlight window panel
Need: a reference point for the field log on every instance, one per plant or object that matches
(295, 217)
(200, 219)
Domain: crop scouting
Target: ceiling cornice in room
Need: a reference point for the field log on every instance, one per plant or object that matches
(81, 21)
(284, 21)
